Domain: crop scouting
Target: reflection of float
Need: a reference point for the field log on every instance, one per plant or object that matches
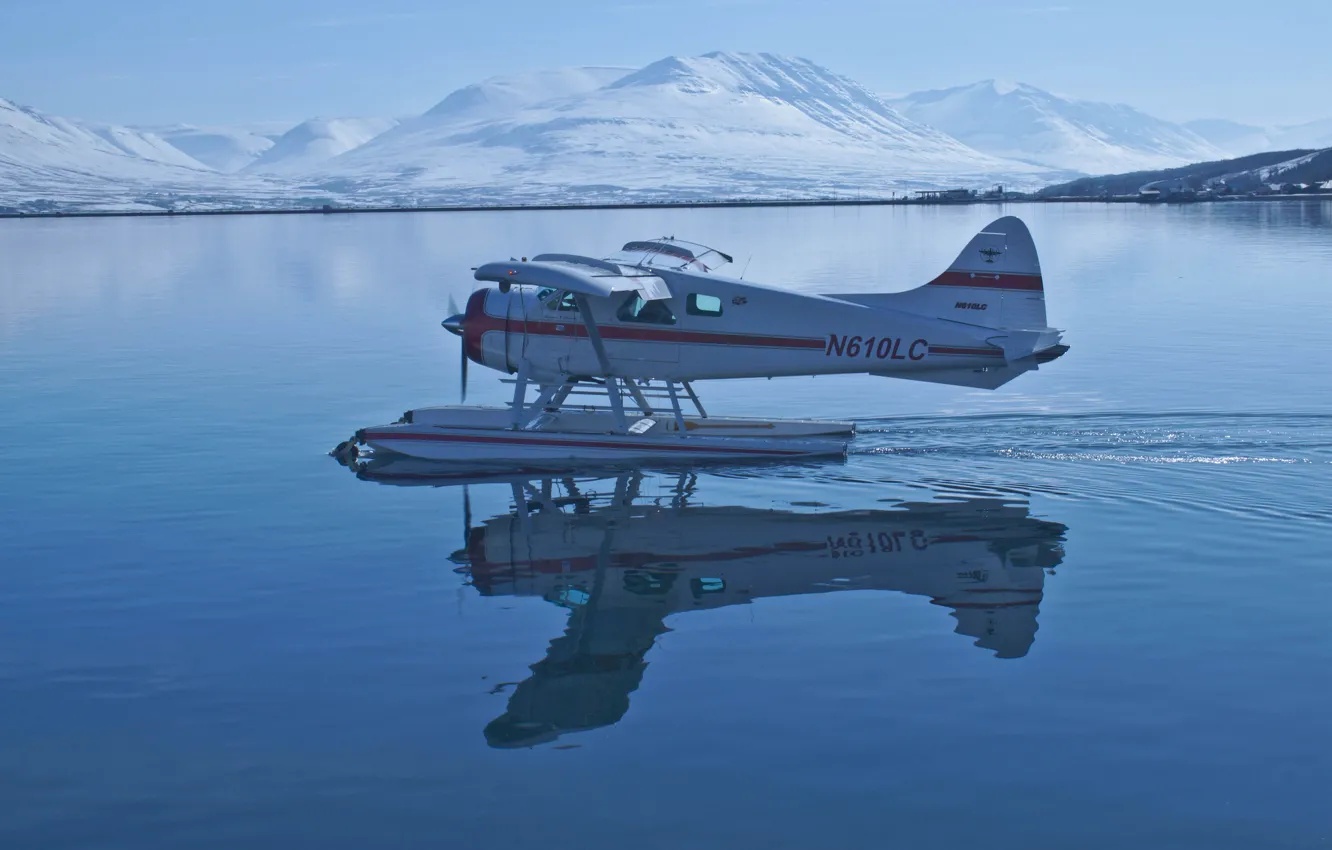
(621, 564)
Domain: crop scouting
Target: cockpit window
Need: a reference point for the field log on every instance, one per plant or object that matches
(703, 305)
(635, 309)
(544, 292)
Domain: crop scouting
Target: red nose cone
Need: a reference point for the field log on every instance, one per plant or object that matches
(474, 324)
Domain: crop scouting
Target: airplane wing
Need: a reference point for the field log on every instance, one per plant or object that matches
(572, 273)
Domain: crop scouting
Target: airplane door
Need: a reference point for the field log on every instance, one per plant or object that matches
(548, 329)
(634, 329)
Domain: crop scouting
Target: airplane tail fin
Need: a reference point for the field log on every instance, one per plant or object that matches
(995, 282)
(999, 269)
(995, 287)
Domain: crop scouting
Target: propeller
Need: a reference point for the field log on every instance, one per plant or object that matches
(454, 325)
(463, 557)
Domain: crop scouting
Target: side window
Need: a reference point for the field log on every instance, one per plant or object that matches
(635, 309)
(565, 303)
(703, 305)
(648, 583)
(701, 587)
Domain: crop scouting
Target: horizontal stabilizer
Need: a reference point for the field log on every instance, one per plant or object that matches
(1020, 344)
(988, 378)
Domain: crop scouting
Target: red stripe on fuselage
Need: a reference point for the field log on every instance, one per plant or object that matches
(480, 322)
(967, 352)
(983, 280)
(630, 560)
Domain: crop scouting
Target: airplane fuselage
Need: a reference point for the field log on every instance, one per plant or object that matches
(715, 327)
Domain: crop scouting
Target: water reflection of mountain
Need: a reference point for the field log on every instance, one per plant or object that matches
(621, 564)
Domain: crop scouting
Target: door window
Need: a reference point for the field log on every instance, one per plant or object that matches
(564, 302)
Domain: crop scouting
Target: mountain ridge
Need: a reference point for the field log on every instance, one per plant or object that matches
(1021, 121)
(1242, 139)
(1235, 175)
(222, 148)
(315, 141)
(719, 124)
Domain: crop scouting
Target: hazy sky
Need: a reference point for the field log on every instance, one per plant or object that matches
(199, 61)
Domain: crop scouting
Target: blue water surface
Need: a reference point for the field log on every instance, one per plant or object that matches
(1086, 610)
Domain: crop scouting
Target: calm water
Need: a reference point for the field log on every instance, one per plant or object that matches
(1089, 609)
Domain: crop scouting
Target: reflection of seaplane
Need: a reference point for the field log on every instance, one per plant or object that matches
(633, 331)
(622, 563)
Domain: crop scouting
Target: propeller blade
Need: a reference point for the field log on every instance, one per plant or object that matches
(454, 325)
(463, 377)
(467, 514)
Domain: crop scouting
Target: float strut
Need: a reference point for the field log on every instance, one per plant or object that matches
(694, 398)
(639, 399)
(675, 408)
(617, 404)
(519, 396)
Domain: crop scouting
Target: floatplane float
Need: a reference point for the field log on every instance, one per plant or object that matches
(603, 353)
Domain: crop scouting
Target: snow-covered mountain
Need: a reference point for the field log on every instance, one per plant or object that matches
(498, 97)
(1315, 134)
(1232, 137)
(34, 140)
(51, 162)
(1023, 122)
(313, 142)
(724, 124)
(1242, 139)
(225, 149)
(43, 156)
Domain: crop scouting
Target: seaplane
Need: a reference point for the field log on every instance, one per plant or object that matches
(603, 353)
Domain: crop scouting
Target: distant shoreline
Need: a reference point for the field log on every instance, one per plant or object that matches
(642, 205)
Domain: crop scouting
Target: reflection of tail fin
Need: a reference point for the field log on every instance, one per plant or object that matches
(1006, 631)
